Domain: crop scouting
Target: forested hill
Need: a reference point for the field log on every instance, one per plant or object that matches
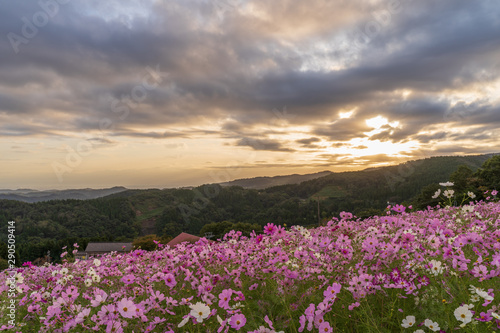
(265, 182)
(129, 214)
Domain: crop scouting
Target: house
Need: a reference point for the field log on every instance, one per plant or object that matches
(100, 248)
(183, 237)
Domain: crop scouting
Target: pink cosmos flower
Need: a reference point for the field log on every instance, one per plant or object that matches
(399, 208)
(353, 305)
(170, 280)
(346, 215)
(80, 318)
(302, 322)
(270, 229)
(325, 327)
(332, 291)
(237, 321)
(224, 298)
(484, 316)
(128, 279)
(126, 308)
(114, 327)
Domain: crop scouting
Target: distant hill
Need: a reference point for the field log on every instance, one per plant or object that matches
(29, 195)
(265, 182)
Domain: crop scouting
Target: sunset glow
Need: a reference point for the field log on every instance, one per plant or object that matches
(168, 94)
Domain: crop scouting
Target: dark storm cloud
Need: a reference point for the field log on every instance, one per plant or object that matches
(309, 143)
(242, 67)
(153, 135)
(263, 144)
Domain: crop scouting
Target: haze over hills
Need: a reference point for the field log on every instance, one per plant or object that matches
(29, 195)
(256, 183)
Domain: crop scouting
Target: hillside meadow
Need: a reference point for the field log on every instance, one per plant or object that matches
(435, 270)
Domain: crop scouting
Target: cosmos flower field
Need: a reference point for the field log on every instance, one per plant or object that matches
(426, 271)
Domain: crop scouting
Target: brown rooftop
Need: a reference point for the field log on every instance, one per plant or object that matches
(183, 237)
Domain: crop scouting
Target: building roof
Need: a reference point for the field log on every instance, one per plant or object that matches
(183, 237)
(108, 247)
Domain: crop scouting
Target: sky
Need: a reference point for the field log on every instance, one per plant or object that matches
(185, 92)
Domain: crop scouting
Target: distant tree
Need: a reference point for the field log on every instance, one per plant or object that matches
(4, 264)
(425, 199)
(218, 229)
(364, 214)
(245, 228)
(171, 229)
(489, 173)
(146, 242)
(462, 179)
(3, 250)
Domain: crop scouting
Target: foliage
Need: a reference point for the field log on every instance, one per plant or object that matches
(489, 173)
(219, 229)
(149, 242)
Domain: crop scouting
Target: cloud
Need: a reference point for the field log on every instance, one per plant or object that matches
(343, 129)
(431, 67)
(263, 144)
(153, 135)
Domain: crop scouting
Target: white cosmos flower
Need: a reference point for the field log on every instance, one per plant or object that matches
(467, 209)
(446, 184)
(471, 195)
(484, 295)
(449, 193)
(183, 322)
(437, 267)
(463, 314)
(437, 194)
(199, 311)
(474, 298)
(433, 326)
(97, 262)
(409, 321)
